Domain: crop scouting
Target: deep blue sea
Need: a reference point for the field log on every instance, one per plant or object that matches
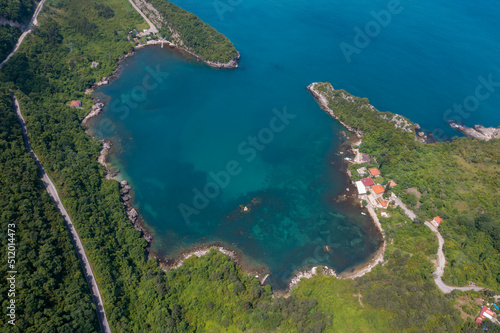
(199, 145)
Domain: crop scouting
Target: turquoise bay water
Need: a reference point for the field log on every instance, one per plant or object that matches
(194, 123)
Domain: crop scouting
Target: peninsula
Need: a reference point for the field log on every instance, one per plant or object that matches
(423, 174)
(186, 32)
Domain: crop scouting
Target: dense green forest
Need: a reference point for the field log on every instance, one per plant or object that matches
(17, 10)
(8, 39)
(199, 37)
(51, 291)
(457, 180)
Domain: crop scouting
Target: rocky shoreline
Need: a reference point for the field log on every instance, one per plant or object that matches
(132, 213)
(323, 103)
(259, 272)
(98, 108)
(231, 64)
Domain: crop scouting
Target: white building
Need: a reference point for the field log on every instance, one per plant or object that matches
(361, 187)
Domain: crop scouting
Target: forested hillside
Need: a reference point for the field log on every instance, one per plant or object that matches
(17, 10)
(8, 39)
(199, 37)
(51, 293)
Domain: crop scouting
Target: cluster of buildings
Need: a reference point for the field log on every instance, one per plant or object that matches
(369, 189)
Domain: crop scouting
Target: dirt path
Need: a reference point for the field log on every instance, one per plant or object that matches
(33, 21)
(407, 211)
(152, 27)
(441, 262)
(80, 251)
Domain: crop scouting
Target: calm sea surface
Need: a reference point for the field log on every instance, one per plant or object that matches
(199, 145)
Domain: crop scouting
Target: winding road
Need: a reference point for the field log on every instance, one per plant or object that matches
(152, 27)
(80, 251)
(441, 262)
(407, 211)
(33, 21)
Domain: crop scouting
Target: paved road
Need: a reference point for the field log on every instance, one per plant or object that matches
(407, 211)
(441, 262)
(26, 32)
(152, 27)
(80, 251)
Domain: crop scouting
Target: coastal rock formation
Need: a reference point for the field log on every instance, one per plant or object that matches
(201, 252)
(400, 122)
(96, 109)
(304, 274)
(233, 63)
(131, 211)
(478, 132)
(323, 102)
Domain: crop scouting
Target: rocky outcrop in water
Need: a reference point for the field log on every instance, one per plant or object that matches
(479, 132)
(95, 110)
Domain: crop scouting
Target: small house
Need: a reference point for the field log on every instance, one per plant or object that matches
(378, 189)
(437, 221)
(361, 188)
(368, 182)
(392, 183)
(374, 172)
(75, 104)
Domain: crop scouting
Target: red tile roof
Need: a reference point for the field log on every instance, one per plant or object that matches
(75, 104)
(378, 189)
(438, 220)
(383, 203)
(392, 183)
(374, 172)
(368, 181)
